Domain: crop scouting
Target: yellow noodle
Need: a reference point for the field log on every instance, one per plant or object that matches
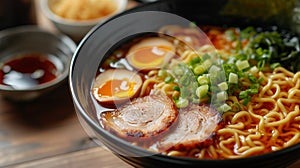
(237, 140)
(270, 122)
(231, 131)
(243, 114)
(293, 140)
(194, 151)
(276, 94)
(146, 85)
(287, 119)
(239, 125)
(168, 89)
(260, 103)
(249, 152)
(275, 134)
(212, 151)
(152, 73)
(249, 139)
(285, 71)
(176, 153)
(187, 56)
(266, 88)
(293, 93)
(201, 154)
(272, 126)
(223, 145)
(242, 149)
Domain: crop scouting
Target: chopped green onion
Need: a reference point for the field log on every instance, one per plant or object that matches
(222, 96)
(235, 107)
(169, 79)
(200, 69)
(247, 32)
(202, 91)
(182, 102)
(247, 100)
(233, 78)
(275, 65)
(223, 86)
(252, 91)
(195, 60)
(162, 73)
(253, 70)
(214, 70)
(260, 80)
(241, 65)
(178, 70)
(223, 108)
(207, 63)
(206, 56)
(252, 78)
(255, 86)
(206, 75)
(248, 92)
(202, 80)
(184, 92)
(185, 80)
(243, 94)
(205, 83)
(176, 88)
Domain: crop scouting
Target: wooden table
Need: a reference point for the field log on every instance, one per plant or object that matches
(46, 133)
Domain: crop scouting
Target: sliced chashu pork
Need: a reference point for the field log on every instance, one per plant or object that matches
(141, 119)
(195, 128)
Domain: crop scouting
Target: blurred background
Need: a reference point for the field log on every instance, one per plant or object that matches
(28, 12)
(16, 12)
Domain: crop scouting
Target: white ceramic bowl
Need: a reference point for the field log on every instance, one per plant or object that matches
(77, 29)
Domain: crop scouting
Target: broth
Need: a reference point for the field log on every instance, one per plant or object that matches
(29, 70)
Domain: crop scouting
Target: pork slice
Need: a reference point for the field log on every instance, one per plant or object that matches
(142, 118)
(196, 126)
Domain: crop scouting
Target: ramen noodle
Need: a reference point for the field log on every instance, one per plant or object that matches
(256, 94)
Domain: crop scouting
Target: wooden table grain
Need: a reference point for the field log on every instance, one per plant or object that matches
(46, 133)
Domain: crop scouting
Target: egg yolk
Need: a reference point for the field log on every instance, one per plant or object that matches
(117, 88)
(148, 57)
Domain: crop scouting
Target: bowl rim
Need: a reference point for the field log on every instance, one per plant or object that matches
(56, 18)
(97, 128)
(35, 29)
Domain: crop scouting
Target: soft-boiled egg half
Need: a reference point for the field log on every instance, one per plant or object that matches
(150, 53)
(115, 86)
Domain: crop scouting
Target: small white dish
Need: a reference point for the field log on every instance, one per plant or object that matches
(77, 29)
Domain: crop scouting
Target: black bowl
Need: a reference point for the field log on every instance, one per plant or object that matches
(105, 37)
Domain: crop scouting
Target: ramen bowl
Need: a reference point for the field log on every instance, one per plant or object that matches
(105, 38)
(66, 16)
(33, 61)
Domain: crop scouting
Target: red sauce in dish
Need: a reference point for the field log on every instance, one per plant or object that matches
(27, 71)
